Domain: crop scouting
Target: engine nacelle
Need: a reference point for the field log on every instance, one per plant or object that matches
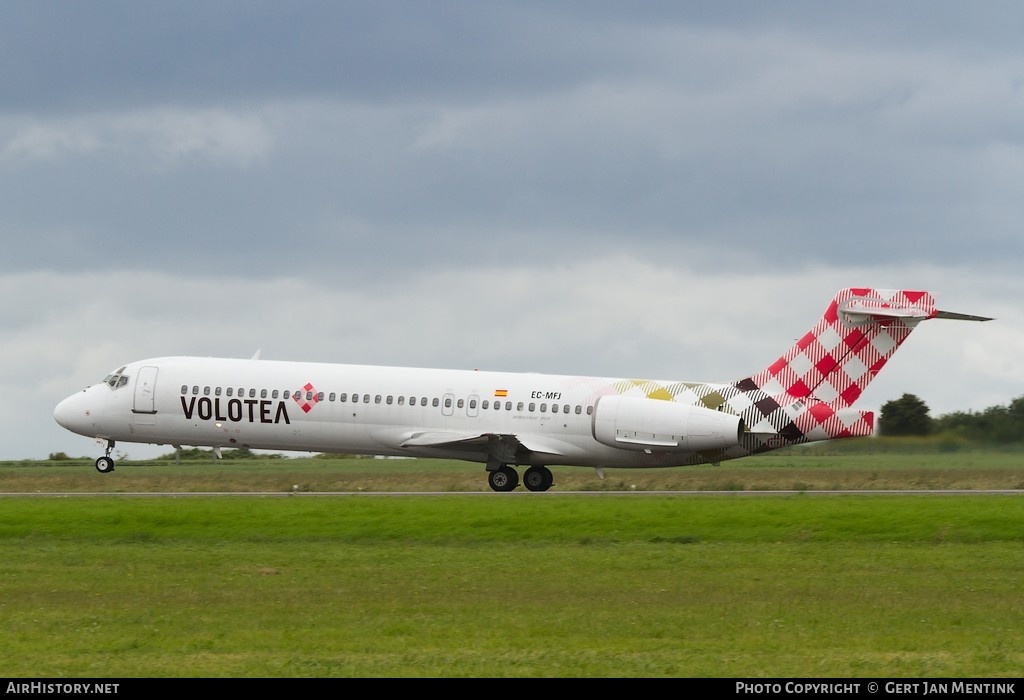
(663, 426)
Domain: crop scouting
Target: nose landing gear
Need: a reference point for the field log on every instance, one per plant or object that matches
(105, 464)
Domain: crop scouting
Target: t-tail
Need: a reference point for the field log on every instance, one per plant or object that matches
(808, 394)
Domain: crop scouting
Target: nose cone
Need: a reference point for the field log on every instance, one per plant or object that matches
(72, 414)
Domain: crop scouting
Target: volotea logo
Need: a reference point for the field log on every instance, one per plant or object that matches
(307, 398)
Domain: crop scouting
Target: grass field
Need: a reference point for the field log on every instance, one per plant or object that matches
(512, 585)
(901, 465)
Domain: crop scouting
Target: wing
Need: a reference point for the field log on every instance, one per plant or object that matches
(505, 448)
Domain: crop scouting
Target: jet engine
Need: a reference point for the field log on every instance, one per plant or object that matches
(663, 426)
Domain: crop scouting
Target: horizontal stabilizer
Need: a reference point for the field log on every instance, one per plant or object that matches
(960, 317)
(860, 309)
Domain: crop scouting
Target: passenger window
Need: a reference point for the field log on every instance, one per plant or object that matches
(533, 407)
(423, 401)
(206, 391)
(320, 396)
(252, 393)
(355, 398)
(309, 396)
(216, 392)
(331, 397)
(263, 393)
(376, 399)
(230, 391)
(390, 399)
(366, 398)
(461, 403)
(543, 408)
(590, 410)
(287, 394)
(519, 406)
(579, 409)
(184, 389)
(343, 397)
(508, 405)
(447, 403)
(195, 390)
(274, 394)
(436, 403)
(483, 404)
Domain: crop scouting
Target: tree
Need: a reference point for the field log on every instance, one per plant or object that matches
(907, 415)
(995, 424)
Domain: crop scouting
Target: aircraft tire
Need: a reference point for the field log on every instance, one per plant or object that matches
(104, 465)
(538, 478)
(503, 478)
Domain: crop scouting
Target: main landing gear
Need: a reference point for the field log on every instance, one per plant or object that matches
(505, 478)
(105, 464)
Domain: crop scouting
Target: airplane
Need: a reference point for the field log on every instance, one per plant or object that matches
(509, 420)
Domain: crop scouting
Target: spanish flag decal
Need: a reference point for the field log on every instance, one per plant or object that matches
(501, 392)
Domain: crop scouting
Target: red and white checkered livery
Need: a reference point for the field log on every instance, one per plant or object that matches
(858, 333)
(808, 393)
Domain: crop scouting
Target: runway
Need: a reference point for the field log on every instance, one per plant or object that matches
(523, 493)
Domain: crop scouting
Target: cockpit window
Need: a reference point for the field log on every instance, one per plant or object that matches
(116, 380)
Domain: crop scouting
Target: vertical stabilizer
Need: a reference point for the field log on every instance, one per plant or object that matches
(834, 362)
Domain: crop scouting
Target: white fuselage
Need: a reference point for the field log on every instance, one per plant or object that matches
(396, 411)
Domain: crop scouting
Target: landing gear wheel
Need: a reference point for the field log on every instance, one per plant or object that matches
(104, 465)
(503, 478)
(538, 478)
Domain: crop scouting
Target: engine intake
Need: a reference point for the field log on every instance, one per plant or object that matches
(663, 426)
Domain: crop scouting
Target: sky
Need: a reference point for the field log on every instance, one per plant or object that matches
(665, 190)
